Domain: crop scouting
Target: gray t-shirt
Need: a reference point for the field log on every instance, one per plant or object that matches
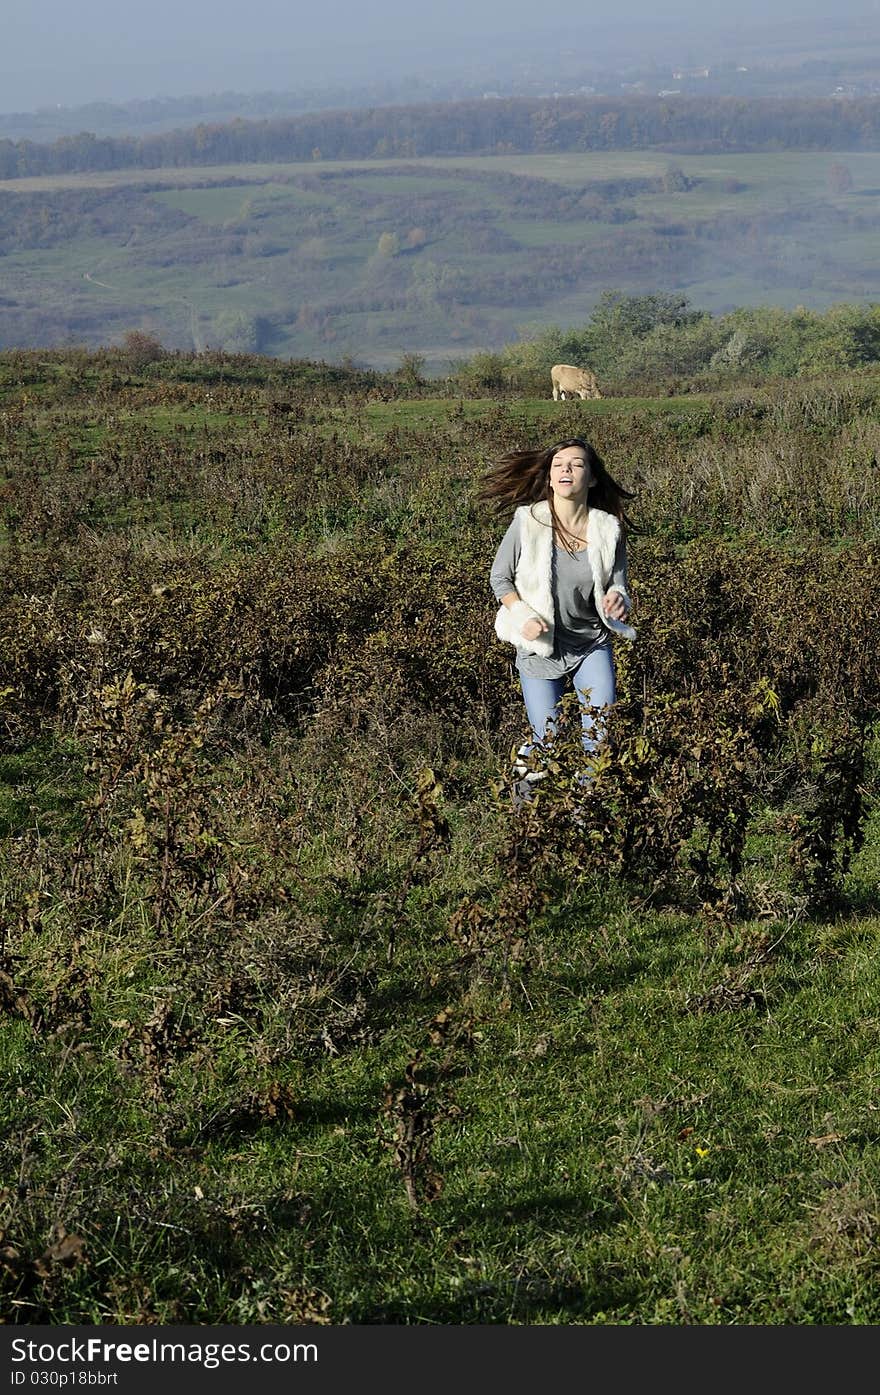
(576, 625)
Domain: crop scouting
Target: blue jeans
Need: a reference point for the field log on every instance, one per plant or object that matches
(594, 684)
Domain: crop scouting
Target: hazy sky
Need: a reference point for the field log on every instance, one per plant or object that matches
(75, 51)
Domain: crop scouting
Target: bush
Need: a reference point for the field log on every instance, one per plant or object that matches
(140, 348)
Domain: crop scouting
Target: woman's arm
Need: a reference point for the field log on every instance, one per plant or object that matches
(501, 579)
(617, 603)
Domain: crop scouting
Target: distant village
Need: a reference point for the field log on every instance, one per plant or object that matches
(738, 80)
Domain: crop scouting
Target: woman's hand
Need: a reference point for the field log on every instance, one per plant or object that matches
(527, 620)
(534, 628)
(614, 606)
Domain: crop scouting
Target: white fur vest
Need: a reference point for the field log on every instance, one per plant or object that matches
(534, 574)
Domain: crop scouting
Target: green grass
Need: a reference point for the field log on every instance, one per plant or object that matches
(611, 1154)
(418, 413)
(211, 205)
(41, 788)
(227, 204)
(540, 233)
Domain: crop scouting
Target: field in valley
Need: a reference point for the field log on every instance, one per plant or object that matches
(441, 257)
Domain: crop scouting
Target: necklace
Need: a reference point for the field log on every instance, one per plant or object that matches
(569, 539)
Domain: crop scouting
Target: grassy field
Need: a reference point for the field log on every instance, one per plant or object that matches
(290, 262)
(789, 171)
(300, 1022)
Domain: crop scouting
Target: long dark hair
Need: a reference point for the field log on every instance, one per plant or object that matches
(523, 477)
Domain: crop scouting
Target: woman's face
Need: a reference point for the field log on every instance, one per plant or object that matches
(570, 475)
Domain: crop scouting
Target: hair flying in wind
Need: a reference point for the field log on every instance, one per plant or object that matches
(523, 477)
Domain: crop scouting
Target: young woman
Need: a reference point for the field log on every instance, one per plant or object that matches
(560, 575)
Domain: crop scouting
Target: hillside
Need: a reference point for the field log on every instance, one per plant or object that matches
(438, 257)
(301, 1023)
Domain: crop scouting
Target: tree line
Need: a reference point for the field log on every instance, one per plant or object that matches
(497, 126)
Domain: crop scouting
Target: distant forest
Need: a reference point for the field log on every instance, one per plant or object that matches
(684, 125)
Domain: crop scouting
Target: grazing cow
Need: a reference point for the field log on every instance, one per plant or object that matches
(569, 381)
